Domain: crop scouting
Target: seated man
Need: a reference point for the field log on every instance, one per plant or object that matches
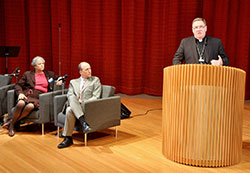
(85, 88)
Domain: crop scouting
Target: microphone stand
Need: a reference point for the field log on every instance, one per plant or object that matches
(59, 49)
(17, 77)
(63, 85)
(6, 62)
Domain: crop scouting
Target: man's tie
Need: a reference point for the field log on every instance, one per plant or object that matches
(80, 95)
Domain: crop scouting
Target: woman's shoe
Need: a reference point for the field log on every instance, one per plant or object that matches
(7, 124)
(11, 130)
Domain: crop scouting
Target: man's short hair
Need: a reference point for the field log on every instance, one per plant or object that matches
(81, 65)
(199, 19)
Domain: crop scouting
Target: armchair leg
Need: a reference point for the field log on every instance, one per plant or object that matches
(42, 129)
(116, 131)
(58, 131)
(85, 139)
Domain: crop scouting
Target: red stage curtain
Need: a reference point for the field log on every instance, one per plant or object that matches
(127, 42)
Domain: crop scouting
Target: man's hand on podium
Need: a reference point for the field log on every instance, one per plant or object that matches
(218, 62)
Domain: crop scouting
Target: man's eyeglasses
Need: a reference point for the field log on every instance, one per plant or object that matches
(199, 27)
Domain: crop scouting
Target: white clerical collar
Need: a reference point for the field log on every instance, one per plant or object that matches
(199, 40)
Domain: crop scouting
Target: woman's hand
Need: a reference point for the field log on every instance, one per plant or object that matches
(21, 96)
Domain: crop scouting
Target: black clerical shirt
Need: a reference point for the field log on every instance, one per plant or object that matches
(201, 45)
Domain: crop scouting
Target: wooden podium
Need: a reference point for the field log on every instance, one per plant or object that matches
(202, 114)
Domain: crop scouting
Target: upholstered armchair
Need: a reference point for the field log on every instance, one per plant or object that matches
(4, 87)
(44, 114)
(99, 114)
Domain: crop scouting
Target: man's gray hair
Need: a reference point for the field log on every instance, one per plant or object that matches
(36, 59)
(82, 64)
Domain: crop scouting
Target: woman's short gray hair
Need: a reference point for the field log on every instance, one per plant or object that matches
(37, 58)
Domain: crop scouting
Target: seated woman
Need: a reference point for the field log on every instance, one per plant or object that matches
(28, 88)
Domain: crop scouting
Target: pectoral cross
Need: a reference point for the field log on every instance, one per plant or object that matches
(201, 60)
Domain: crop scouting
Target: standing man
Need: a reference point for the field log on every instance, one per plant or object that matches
(200, 48)
(85, 88)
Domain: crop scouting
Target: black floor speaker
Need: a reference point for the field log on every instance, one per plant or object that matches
(125, 113)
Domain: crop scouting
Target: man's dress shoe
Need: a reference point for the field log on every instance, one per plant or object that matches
(86, 127)
(68, 141)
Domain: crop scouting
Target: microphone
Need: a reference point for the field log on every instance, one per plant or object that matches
(63, 78)
(14, 73)
(17, 71)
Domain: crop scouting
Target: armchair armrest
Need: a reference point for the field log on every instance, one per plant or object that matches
(10, 100)
(7, 87)
(46, 101)
(103, 113)
(59, 102)
(3, 98)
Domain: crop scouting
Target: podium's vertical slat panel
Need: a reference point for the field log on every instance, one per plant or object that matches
(225, 105)
(231, 122)
(228, 101)
(202, 114)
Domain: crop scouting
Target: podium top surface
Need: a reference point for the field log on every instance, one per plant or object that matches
(201, 67)
(9, 51)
